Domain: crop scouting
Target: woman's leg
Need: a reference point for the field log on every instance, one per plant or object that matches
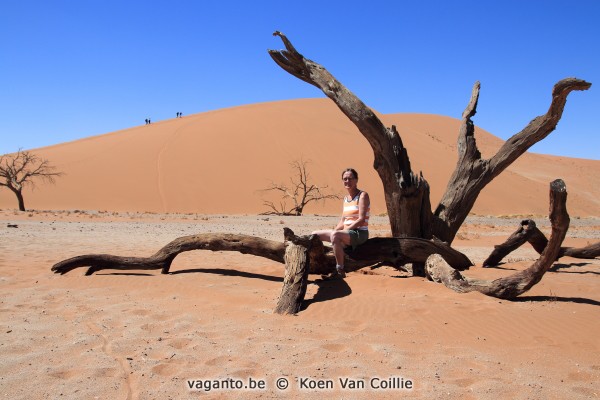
(339, 240)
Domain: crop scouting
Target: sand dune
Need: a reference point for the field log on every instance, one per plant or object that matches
(217, 162)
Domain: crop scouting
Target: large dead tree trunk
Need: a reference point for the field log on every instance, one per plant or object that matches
(528, 232)
(520, 282)
(406, 194)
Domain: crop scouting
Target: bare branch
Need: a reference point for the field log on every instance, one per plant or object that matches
(518, 283)
(538, 128)
(405, 191)
(528, 232)
(472, 173)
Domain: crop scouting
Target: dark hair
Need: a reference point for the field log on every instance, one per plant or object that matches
(350, 170)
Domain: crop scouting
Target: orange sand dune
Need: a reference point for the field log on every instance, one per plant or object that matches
(217, 162)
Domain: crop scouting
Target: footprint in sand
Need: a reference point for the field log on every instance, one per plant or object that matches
(334, 347)
(354, 326)
(140, 312)
(217, 362)
(464, 382)
(166, 369)
(63, 374)
(105, 372)
(180, 343)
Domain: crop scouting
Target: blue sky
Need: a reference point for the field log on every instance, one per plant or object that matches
(72, 69)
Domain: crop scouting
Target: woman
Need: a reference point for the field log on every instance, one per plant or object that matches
(353, 228)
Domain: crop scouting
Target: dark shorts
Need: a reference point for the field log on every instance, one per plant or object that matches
(358, 237)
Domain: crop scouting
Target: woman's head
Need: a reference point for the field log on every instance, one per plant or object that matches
(349, 173)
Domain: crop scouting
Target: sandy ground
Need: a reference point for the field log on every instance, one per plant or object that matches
(143, 335)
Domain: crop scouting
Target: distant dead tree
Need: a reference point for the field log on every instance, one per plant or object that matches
(300, 191)
(20, 169)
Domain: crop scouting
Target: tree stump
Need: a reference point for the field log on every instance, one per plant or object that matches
(297, 260)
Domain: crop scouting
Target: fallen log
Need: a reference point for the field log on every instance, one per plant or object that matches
(587, 252)
(163, 258)
(511, 286)
(528, 232)
(397, 251)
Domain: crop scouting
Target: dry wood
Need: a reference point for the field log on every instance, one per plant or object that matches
(514, 241)
(400, 251)
(164, 257)
(406, 194)
(297, 262)
(591, 251)
(300, 190)
(528, 232)
(397, 251)
(520, 282)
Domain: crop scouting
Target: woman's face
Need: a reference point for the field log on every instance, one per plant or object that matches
(349, 180)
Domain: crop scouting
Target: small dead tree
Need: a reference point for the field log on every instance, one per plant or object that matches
(21, 169)
(300, 191)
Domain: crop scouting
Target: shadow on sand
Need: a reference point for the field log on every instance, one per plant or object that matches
(578, 300)
(327, 290)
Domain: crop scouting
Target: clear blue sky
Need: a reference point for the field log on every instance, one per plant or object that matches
(72, 69)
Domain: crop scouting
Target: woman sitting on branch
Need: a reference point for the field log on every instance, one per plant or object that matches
(353, 228)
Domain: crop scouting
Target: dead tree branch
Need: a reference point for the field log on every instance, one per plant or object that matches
(528, 232)
(163, 258)
(472, 173)
(397, 251)
(406, 193)
(520, 282)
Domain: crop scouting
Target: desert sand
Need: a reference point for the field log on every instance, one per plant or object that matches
(143, 335)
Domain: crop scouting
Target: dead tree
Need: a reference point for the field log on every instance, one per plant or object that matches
(511, 286)
(21, 169)
(528, 232)
(301, 192)
(395, 251)
(406, 193)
